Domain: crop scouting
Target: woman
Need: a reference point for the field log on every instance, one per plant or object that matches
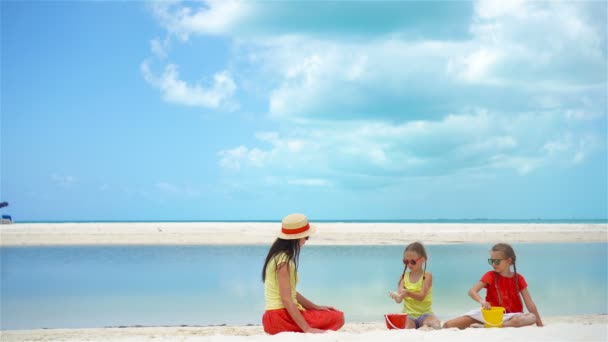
(287, 309)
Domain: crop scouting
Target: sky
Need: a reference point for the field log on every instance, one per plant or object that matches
(342, 110)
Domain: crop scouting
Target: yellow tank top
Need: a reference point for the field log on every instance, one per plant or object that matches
(271, 284)
(413, 307)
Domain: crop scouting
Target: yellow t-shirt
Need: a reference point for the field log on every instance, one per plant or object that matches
(271, 284)
(414, 307)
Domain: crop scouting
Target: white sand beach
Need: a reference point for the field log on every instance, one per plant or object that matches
(220, 233)
(570, 328)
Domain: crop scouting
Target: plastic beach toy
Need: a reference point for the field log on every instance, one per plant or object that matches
(396, 320)
(493, 317)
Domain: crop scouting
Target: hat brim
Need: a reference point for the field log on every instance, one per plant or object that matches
(309, 232)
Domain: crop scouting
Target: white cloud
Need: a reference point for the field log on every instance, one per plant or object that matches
(477, 65)
(181, 20)
(571, 149)
(302, 78)
(522, 165)
(540, 41)
(581, 114)
(348, 79)
(393, 108)
(490, 9)
(358, 69)
(241, 156)
(160, 48)
(526, 55)
(512, 43)
(481, 140)
(211, 17)
(178, 91)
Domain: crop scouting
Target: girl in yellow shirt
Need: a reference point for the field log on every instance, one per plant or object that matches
(416, 289)
(287, 309)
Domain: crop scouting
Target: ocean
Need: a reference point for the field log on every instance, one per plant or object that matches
(111, 286)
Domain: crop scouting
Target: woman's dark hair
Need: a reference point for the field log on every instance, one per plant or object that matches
(417, 248)
(289, 247)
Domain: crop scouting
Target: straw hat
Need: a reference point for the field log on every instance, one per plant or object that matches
(296, 226)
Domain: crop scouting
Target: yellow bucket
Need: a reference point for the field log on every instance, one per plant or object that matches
(493, 317)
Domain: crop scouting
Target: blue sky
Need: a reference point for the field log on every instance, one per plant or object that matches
(230, 110)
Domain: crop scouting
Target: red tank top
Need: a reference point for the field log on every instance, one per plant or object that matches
(509, 297)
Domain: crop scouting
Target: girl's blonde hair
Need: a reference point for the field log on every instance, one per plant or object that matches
(418, 248)
(508, 252)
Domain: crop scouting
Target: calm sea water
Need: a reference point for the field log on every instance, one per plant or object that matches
(70, 287)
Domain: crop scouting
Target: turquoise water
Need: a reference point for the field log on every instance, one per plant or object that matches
(70, 287)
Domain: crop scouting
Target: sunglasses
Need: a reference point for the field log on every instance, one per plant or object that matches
(495, 261)
(411, 262)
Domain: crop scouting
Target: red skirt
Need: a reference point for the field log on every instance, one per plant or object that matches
(279, 320)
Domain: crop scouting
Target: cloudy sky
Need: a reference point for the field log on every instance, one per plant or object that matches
(230, 110)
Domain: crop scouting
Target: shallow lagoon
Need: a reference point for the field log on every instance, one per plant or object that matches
(71, 287)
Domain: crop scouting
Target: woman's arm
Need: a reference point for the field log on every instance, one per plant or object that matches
(290, 306)
(307, 304)
(474, 293)
(531, 306)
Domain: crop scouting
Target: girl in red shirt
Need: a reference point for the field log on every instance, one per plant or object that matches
(503, 288)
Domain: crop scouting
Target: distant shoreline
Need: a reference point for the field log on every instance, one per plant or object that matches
(263, 233)
(476, 220)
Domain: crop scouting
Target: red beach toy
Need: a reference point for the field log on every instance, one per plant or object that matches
(395, 321)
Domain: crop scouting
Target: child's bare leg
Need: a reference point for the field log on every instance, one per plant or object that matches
(461, 322)
(432, 321)
(410, 324)
(520, 320)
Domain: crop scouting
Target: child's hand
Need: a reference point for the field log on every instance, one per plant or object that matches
(486, 305)
(397, 296)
